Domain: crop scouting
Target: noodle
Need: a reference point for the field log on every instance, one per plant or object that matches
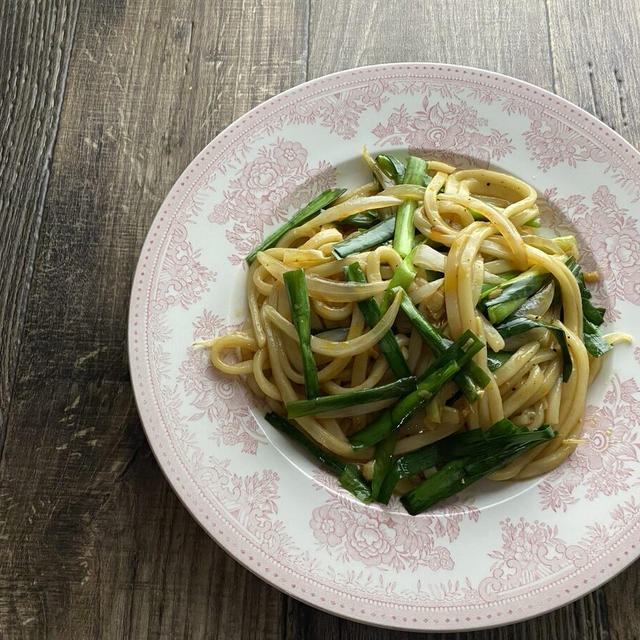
(478, 231)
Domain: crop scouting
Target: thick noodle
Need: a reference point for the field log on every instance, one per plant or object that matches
(480, 217)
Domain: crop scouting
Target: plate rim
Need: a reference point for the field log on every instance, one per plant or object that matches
(186, 177)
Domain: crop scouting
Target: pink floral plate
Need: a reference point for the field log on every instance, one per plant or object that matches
(496, 554)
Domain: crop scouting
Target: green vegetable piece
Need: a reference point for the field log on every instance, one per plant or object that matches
(458, 445)
(388, 344)
(448, 481)
(354, 482)
(305, 214)
(517, 325)
(460, 473)
(501, 301)
(329, 461)
(404, 229)
(362, 220)
(593, 316)
(373, 237)
(440, 371)
(496, 360)
(348, 475)
(296, 287)
(315, 406)
(393, 167)
(473, 378)
(402, 277)
(404, 467)
(382, 464)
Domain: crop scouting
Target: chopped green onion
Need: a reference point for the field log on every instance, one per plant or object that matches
(593, 341)
(517, 325)
(461, 472)
(402, 277)
(475, 442)
(330, 462)
(388, 344)
(362, 220)
(472, 378)
(406, 466)
(296, 286)
(592, 317)
(393, 167)
(315, 406)
(382, 464)
(504, 299)
(305, 214)
(496, 360)
(404, 229)
(352, 480)
(395, 416)
(373, 237)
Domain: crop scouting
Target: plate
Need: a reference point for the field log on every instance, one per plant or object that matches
(500, 553)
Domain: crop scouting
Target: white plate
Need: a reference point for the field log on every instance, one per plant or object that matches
(499, 553)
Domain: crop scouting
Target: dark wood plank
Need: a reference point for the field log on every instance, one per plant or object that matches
(98, 544)
(595, 46)
(622, 598)
(479, 34)
(34, 56)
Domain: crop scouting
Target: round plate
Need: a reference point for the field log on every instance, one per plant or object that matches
(497, 553)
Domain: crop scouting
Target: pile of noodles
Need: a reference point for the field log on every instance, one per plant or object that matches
(528, 389)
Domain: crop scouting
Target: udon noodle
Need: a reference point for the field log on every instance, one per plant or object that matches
(472, 232)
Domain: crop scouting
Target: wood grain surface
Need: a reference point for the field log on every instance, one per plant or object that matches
(103, 103)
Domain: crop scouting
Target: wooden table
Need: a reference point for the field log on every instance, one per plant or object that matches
(103, 103)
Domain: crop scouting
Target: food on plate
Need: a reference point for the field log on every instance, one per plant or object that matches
(420, 332)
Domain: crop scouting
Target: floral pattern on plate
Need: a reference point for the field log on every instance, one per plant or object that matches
(498, 553)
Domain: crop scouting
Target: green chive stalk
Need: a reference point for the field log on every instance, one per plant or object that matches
(362, 220)
(520, 324)
(592, 316)
(501, 301)
(393, 167)
(473, 378)
(315, 406)
(460, 473)
(388, 344)
(309, 211)
(476, 443)
(404, 229)
(373, 237)
(382, 464)
(296, 287)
